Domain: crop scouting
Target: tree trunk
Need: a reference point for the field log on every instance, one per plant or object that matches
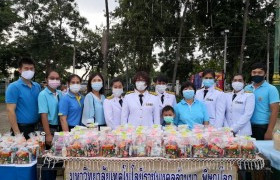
(245, 19)
(106, 44)
(179, 46)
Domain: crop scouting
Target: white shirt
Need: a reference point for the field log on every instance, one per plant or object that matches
(169, 99)
(215, 104)
(239, 112)
(112, 111)
(135, 114)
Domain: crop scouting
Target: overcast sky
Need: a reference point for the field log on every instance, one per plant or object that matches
(94, 11)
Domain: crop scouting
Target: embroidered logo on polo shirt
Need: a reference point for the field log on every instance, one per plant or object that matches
(260, 98)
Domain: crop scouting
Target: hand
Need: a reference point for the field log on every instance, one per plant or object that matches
(49, 138)
(268, 135)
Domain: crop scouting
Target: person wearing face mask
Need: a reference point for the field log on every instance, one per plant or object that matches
(48, 105)
(213, 98)
(266, 110)
(71, 104)
(240, 106)
(140, 107)
(165, 98)
(22, 100)
(113, 104)
(168, 115)
(93, 107)
(189, 110)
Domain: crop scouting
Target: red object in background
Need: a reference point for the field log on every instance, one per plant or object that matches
(220, 80)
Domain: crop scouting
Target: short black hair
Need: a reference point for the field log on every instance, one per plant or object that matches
(259, 65)
(89, 88)
(116, 80)
(208, 71)
(49, 72)
(73, 76)
(238, 75)
(144, 75)
(161, 78)
(168, 108)
(25, 60)
(186, 85)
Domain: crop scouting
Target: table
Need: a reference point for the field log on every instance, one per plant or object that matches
(266, 148)
(18, 171)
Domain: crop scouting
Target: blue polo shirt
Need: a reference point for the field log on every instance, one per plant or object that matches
(26, 100)
(265, 95)
(48, 103)
(71, 107)
(190, 114)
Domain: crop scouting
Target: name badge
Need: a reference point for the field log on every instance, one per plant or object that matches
(238, 102)
(208, 99)
(149, 104)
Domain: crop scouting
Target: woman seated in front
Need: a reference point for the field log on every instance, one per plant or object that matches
(189, 110)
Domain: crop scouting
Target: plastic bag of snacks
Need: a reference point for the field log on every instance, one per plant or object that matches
(248, 148)
(76, 147)
(183, 127)
(92, 146)
(124, 145)
(232, 149)
(216, 147)
(108, 145)
(199, 146)
(139, 144)
(6, 155)
(276, 139)
(184, 143)
(171, 149)
(154, 145)
(60, 142)
(198, 128)
(23, 156)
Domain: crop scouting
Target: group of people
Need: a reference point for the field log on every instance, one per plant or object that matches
(250, 110)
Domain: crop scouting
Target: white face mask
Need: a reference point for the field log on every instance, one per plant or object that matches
(237, 86)
(75, 88)
(160, 88)
(27, 74)
(117, 92)
(140, 85)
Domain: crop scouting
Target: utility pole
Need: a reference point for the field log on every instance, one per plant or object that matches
(225, 56)
(267, 56)
(245, 19)
(74, 51)
(276, 77)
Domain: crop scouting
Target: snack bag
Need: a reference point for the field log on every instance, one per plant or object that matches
(248, 149)
(108, 145)
(23, 156)
(6, 155)
(92, 146)
(171, 149)
(139, 145)
(76, 147)
(215, 147)
(232, 149)
(184, 144)
(154, 145)
(124, 145)
(199, 146)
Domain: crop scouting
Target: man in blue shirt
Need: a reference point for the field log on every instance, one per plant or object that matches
(266, 110)
(22, 100)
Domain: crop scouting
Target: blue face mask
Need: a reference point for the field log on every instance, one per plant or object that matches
(96, 86)
(208, 82)
(188, 94)
(168, 119)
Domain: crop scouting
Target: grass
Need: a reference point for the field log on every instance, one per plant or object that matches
(2, 98)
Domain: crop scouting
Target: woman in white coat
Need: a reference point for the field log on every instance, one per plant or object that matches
(240, 106)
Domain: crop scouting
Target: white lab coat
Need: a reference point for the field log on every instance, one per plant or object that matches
(215, 104)
(239, 112)
(135, 114)
(112, 111)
